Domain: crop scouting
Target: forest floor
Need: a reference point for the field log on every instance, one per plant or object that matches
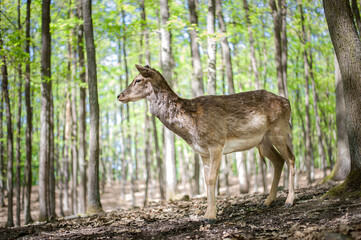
(239, 217)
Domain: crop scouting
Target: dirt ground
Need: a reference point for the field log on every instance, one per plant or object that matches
(239, 217)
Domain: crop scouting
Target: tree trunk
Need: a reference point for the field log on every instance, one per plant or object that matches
(211, 47)
(343, 161)
(66, 159)
(159, 160)
(242, 172)
(44, 153)
(82, 116)
(74, 149)
(277, 28)
(344, 33)
(51, 180)
(10, 140)
(251, 43)
(225, 48)
(18, 120)
(169, 136)
(309, 148)
(197, 78)
(94, 205)
(2, 167)
(29, 124)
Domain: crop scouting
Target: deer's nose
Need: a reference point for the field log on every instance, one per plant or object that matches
(118, 96)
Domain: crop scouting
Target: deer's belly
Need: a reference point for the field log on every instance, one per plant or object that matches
(241, 144)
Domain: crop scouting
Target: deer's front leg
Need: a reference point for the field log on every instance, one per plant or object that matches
(211, 168)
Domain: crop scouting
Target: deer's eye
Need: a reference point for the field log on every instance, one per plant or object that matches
(138, 81)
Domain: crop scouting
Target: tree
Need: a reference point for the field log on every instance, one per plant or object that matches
(169, 136)
(343, 32)
(197, 80)
(211, 47)
(2, 167)
(82, 114)
(18, 123)
(44, 153)
(225, 47)
(94, 205)
(279, 26)
(10, 138)
(29, 116)
(309, 150)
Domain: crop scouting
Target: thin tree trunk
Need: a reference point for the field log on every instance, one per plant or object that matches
(51, 181)
(10, 140)
(44, 153)
(18, 120)
(159, 160)
(225, 47)
(2, 167)
(277, 22)
(147, 155)
(242, 172)
(94, 205)
(29, 124)
(309, 149)
(66, 159)
(283, 12)
(251, 43)
(82, 116)
(197, 78)
(169, 137)
(74, 150)
(211, 47)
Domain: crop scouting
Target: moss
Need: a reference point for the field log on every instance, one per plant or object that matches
(350, 188)
(94, 210)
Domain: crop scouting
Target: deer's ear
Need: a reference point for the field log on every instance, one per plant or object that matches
(144, 71)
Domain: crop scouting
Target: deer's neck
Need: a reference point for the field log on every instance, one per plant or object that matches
(168, 108)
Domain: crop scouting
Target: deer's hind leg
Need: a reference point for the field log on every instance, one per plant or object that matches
(280, 142)
(266, 149)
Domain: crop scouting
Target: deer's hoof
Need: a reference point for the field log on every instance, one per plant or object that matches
(208, 221)
(288, 205)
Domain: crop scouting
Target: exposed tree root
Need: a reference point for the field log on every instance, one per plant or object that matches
(350, 188)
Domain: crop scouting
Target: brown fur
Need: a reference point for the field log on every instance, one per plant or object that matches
(216, 125)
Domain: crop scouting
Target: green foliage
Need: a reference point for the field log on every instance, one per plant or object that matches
(109, 32)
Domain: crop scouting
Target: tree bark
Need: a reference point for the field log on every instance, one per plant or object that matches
(197, 78)
(51, 180)
(18, 120)
(343, 161)
(211, 47)
(82, 115)
(44, 153)
(10, 139)
(344, 33)
(159, 160)
(169, 137)
(309, 148)
(242, 172)
(277, 28)
(251, 43)
(2, 167)
(94, 205)
(29, 116)
(225, 48)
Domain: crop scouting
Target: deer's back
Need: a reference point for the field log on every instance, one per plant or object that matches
(241, 118)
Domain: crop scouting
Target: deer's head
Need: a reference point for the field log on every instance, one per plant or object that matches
(140, 87)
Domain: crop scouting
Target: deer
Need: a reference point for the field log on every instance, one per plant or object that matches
(214, 125)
